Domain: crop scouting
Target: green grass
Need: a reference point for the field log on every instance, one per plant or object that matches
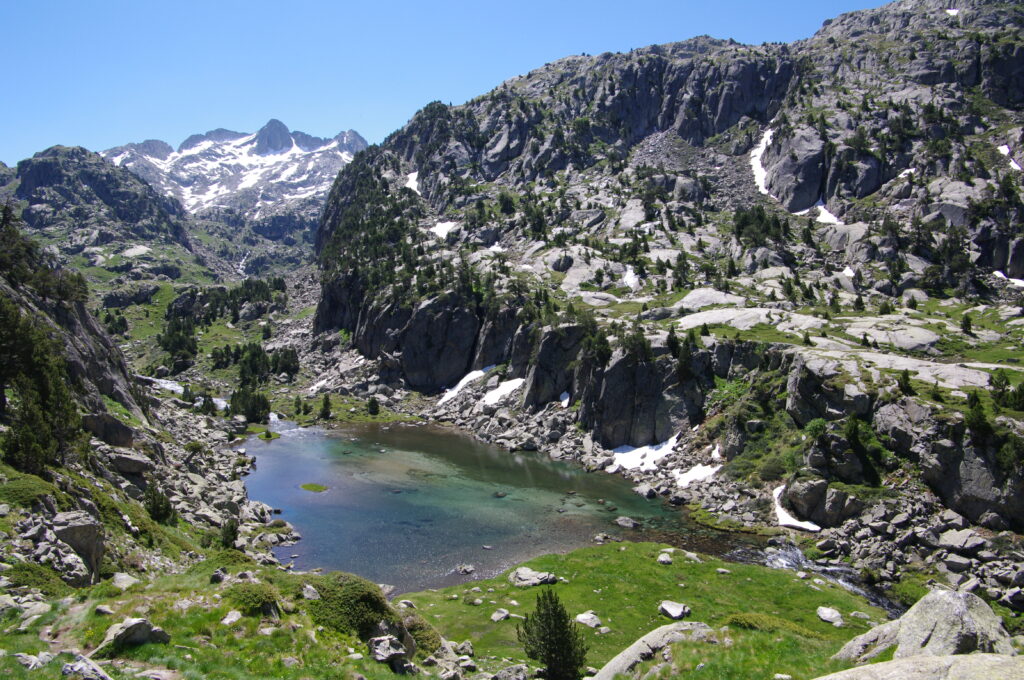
(623, 584)
(315, 488)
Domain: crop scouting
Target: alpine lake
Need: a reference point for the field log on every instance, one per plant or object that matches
(405, 505)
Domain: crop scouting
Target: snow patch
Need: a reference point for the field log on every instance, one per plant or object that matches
(466, 379)
(1005, 150)
(694, 474)
(496, 249)
(760, 174)
(825, 217)
(787, 520)
(906, 173)
(630, 278)
(502, 390)
(952, 12)
(413, 182)
(563, 399)
(849, 273)
(642, 457)
(442, 229)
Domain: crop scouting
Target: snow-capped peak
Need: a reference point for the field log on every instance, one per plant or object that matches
(253, 173)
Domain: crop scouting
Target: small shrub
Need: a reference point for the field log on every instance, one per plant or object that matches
(156, 503)
(349, 604)
(373, 406)
(31, 575)
(908, 590)
(252, 599)
(229, 533)
(428, 640)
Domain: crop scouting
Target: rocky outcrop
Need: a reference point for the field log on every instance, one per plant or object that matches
(650, 644)
(130, 633)
(994, 666)
(939, 624)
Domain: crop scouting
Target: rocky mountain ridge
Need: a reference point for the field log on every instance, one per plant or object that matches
(264, 177)
(808, 254)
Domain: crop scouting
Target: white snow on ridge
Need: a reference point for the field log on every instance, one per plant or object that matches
(849, 273)
(1019, 283)
(952, 12)
(413, 182)
(563, 399)
(760, 174)
(787, 520)
(466, 379)
(642, 457)
(502, 390)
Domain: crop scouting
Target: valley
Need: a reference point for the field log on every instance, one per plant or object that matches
(735, 328)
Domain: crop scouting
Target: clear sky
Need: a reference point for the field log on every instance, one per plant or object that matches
(99, 73)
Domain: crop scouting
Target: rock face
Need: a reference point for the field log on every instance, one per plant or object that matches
(78, 197)
(939, 624)
(84, 534)
(989, 666)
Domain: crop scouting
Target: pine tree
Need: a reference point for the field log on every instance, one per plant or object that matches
(549, 637)
(903, 382)
(325, 408)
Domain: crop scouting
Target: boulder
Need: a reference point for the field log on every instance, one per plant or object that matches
(123, 581)
(499, 615)
(940, 623)
(84, 668)
(673, 610)
(84, 534)
(647, 646)
(524, 577)
(130, 463)
(517, 672)
(588, 619)
(830, 615)
(963, 667)
(106, 427)
(131, 632)
(387, 649)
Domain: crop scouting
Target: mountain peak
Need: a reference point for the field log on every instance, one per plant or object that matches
(272, 138)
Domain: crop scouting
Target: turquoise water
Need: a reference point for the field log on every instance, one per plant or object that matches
(406, 504)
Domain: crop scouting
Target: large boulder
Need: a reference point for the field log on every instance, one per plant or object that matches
(524, 577)
(795, 168)
(942, 622)
(84, 534)
(963, 667)
(109, 429)
(646, 647)
(129, 633)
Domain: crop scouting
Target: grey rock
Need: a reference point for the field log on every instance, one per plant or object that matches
(830, 615)
(673, 610)
(524, 577)
(647, 646)
(129, 633)
(963, 667)
(84, 534)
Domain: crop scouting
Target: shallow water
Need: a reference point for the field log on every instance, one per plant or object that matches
(406, 504)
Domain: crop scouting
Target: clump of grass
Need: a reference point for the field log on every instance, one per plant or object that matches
(23, 490)
(253, 599)
(428, 640)
(315, 488)
(769, 624)
(31, 575)
(227, 559)
(909, 589)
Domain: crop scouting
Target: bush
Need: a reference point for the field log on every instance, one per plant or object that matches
(373, 406)
(156, 503)
(552, 639)
(769, 624)
(31, 575)
(349, 604)
(428, 640)
(229, 533)
(253, 599)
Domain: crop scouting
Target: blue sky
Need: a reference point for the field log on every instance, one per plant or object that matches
(100, 73)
